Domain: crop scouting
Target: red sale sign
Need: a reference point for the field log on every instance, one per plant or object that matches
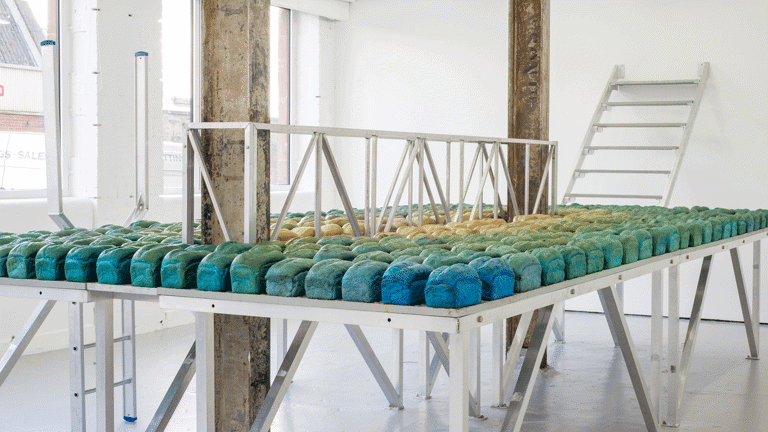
(2, 90)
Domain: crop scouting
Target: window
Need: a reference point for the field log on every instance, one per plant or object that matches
(177, 85)
(22, 139)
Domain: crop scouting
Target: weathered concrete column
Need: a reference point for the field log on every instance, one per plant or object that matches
(235, 88)
(528, 104)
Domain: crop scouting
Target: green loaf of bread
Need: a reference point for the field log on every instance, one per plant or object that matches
(552, 265)
(213, 272)
(80, 265)
(113, 267)
(49, 262)
(594, 253)
(231, 247)
(630, 247)
(439, 260)
(323, 280)
(4, 251)
(179, 268)
(286, 278)
(341, 252)
(575, 261)
(21, 260)
(249, 271)
(301, 253)
(613, 251)
(146, 265)
(527, 271)
(375, 256)
(644, 241)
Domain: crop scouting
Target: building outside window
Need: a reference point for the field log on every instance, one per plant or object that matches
(22, 140)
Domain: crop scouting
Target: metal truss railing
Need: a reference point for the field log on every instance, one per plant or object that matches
(416, 156)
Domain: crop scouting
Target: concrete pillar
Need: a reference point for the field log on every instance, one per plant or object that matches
(528, 105)
(235, 88)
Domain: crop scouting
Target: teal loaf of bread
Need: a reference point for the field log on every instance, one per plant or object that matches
(454, 286)
(113, 267)
(21, 259)
(213, 271)
(403, 283)
(80, 265)
(179, 268)
(249, 271)
(527, 271)
(323, 280)
(362, 282)
(147, 263)
(286, 278)
(496, 275)
(49, 262)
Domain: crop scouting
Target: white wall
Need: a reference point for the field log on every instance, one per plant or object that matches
(441, 66)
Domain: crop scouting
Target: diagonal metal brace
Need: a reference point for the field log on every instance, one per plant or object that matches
(361, 342)
(441, 352)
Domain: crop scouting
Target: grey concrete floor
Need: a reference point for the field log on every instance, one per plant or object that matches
(585, 388)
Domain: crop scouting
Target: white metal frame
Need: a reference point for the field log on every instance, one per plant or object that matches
(458, 324)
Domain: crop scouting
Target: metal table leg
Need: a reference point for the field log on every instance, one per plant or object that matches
(204, 371)
(174, 394)
(76, 368)
(397, 366)
(105, 374)
(129, 361)
(459, 393)
(442, 353)
(745, 310)
(693, 328)
(657, 340)
(513, 421)
(393, 393)
(673, 344)
(497, 365)
(284, 376)
(630, 358)
(26, 334)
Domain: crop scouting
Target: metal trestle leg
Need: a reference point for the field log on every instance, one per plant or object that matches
(20, 343)
(284, 376)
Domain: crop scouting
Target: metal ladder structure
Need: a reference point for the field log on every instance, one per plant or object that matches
(615, 83)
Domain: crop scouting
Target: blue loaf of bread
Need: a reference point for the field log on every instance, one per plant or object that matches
(362, 282)
(403, 283)
(575, 261)
(113, 267)
(454, 286)
(527, 271)
(323, 280)
(80, 265)
(213, 271)
(21, 259)
(496, 275)
(49, 262)
(552, 265)
(286, 278)
(179, 268)
(249, 271)
(146, 265)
